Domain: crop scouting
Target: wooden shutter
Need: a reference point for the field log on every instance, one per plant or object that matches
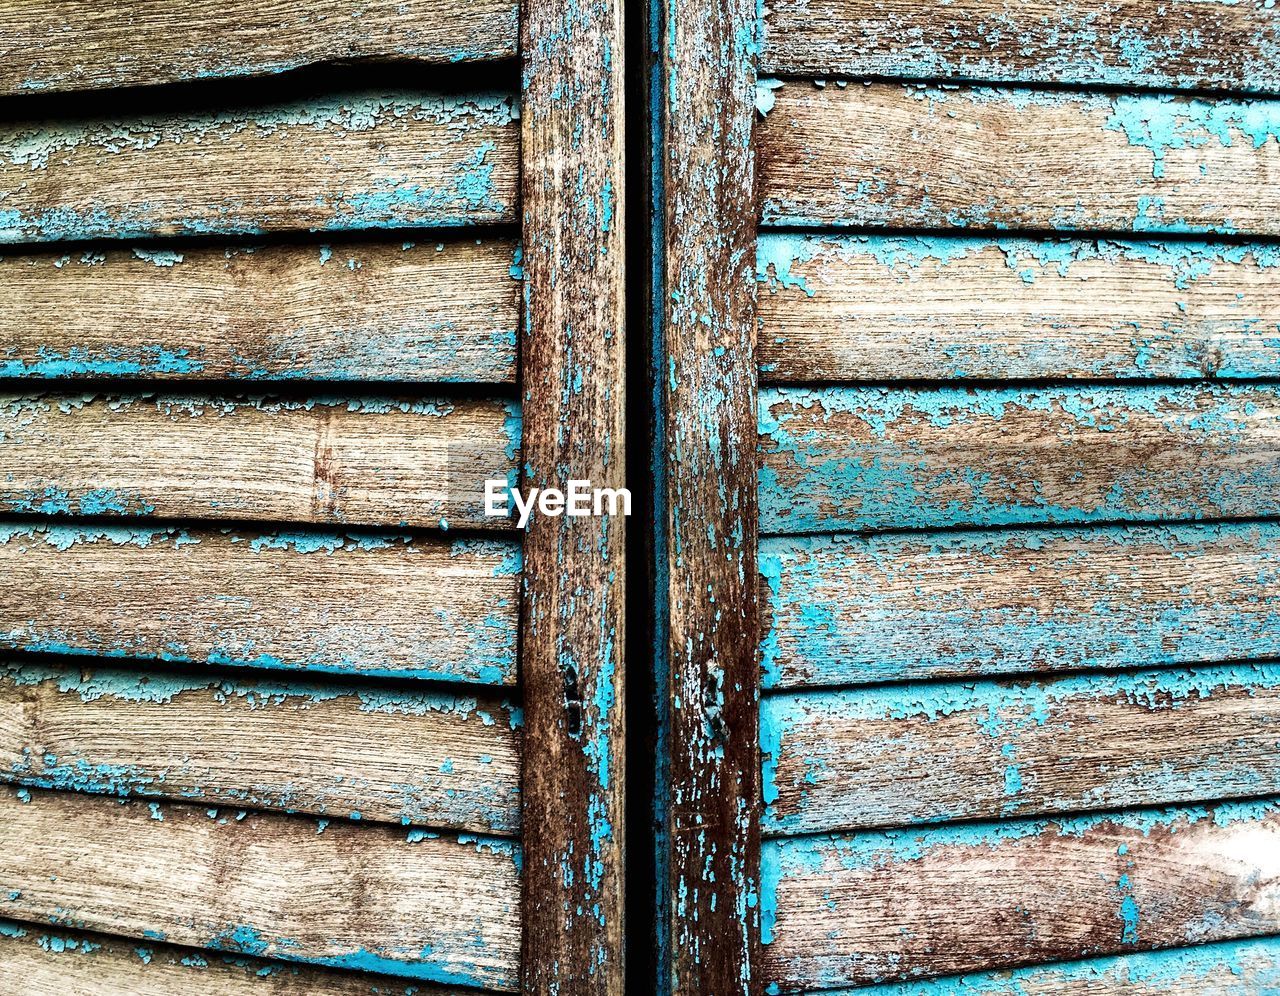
(1002, 412)
(265, 336)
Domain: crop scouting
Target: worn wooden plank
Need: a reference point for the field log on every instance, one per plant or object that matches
(378, 898)
(435, 311)
(344, 161)
(861, 909)
(40, 962)
(64, 45)
(883, 308)
(1228, 968)
(423, 757)
(885, 608)
(871, 458)
(376, 605)
(706, 609)
(895, 155)
(1120, 43)
(902, 754)
(573, 374)
(346, 460)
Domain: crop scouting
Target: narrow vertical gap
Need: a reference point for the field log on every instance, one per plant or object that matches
(643, 432)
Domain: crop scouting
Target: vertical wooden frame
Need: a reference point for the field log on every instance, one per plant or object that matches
(704, 376)
(573, 354)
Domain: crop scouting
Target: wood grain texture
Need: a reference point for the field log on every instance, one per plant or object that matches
(855, 910)
(341, 460)
(376, 898)
(871, 458)
(376, 605)
(903, 754)
(39, 962)
(883, 308)
(894, 155)
(356, 311)
(1228, 968)
(887, 608)
(64, 45)
(1120, 43)
(344, 161)
(705, 511)
(427, 758)
(573, 374)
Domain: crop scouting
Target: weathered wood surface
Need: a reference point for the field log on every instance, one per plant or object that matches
(375, 605)
(882, 308)
(902, 754)
(345, 161)
(354, 311)
(854, 910)
(887, 608)
(1228, 968)
(1120, 43)
(377, 898)
(65, 45)
(871, 458)
(427, 758)
(339, 460)
(40, 962)
(895, 155)
(706, 606)
(573, 375)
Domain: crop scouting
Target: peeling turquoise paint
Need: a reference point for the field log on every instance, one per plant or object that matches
(30, 423)
(800, 857)
(1251, 966)
(1184, 309)
(421, 795)
(1162, 122)
(855, 458)
(238, 634)
(454, 184)
(851, 609)
(963, 747)
(1075, 43)
(1111, 191)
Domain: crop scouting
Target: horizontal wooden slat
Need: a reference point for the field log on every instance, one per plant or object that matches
(347, 460)
(888, 154)
(1228, 968)
(39, 962)
(936, 308)
(377, 605)
(1176, 43)
(849, 609)
(873, 458)
(382, 311)
(406, 757)
(903, 754)
(344, 895)
(65, 45)
(356, 160)
(854, 910)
